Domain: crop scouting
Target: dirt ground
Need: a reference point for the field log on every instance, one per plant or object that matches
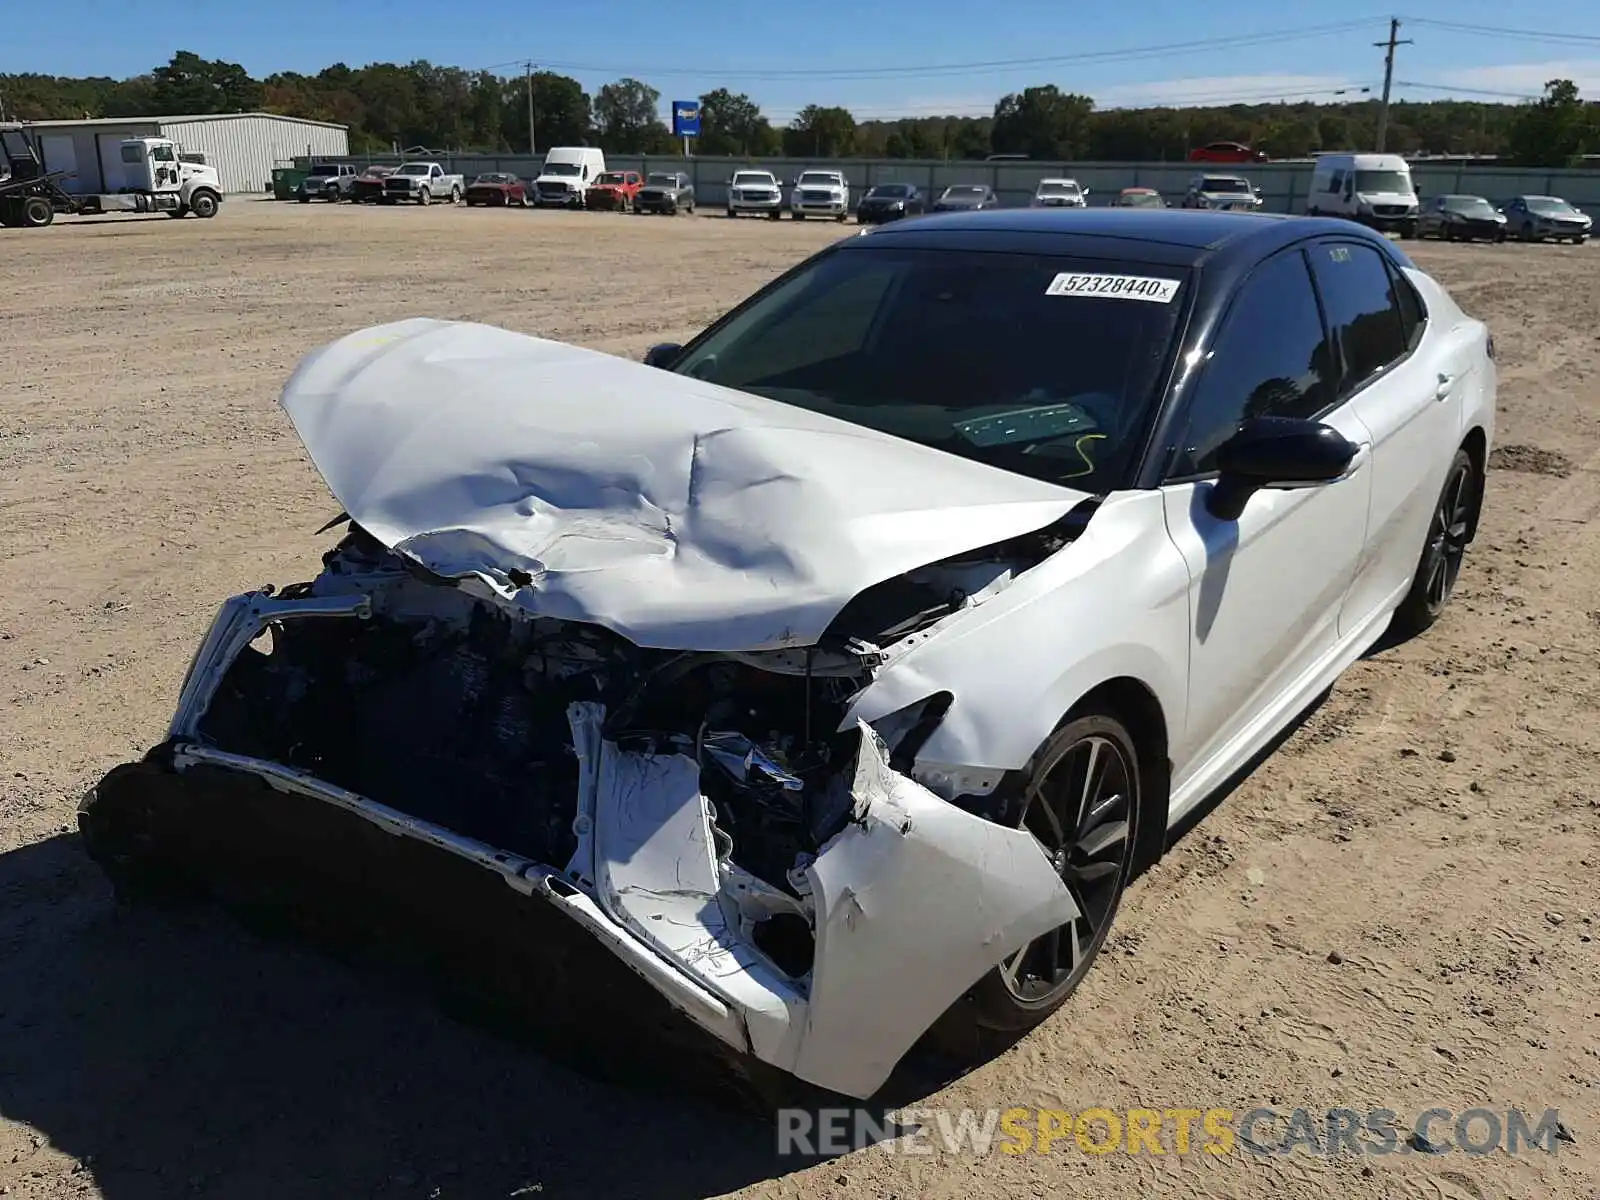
(1394, 911)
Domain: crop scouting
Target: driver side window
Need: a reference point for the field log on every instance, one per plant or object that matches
(1271, 358)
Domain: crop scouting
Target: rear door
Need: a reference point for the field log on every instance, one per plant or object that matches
(1265, 589)
(1403, 377)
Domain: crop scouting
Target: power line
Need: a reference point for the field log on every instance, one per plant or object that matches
(1471, 91)
(929, 70)
(1502, 32)
(889, 112)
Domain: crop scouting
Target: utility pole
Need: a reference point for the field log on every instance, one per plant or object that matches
(532, 140)
(1388, 78)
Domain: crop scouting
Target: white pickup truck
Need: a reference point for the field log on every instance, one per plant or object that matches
(820, 193)
(422, 183)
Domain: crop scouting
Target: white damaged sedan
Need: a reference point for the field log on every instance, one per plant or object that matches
(832, 673)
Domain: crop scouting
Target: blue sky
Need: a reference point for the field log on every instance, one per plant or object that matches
(881, 58)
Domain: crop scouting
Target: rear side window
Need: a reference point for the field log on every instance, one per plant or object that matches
(1413, 317)
(1358, 295)
(1270, 359)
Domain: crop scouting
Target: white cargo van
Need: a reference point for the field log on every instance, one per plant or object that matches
(1374, 189)
(566, 176)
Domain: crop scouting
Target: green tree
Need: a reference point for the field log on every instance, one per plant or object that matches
(1042, 122)
(191, 84)
(627, 118)
(561, 111)
(1553, 131)
(819, 132)
(732, 124)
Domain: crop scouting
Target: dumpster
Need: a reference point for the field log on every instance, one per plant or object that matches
(285, 180)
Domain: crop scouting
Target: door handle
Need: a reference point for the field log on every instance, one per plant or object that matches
(1442, 389)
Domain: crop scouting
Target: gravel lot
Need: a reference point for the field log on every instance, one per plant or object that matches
(1394, 911)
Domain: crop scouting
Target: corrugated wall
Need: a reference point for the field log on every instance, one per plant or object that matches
(244, 149)
(1283, 185)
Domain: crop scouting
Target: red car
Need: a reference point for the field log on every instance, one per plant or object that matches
(497, 188)
(1226, 152)
(614, 191)
(368, 187)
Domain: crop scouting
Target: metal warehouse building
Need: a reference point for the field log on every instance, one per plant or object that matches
(243, 147)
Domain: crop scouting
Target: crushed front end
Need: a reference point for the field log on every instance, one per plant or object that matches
(555, 813)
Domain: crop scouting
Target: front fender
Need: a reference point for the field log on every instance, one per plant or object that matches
(1113, 604)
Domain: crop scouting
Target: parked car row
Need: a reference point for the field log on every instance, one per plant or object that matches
(1373, 189)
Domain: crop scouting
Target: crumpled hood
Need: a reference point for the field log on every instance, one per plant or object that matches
(679, 514)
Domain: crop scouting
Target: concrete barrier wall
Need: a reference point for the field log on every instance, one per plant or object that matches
(1283, 185)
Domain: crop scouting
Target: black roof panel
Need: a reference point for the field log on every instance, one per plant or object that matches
(1178, 236)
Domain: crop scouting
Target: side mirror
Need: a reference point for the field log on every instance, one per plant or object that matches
(1276, 452)
(662, 354)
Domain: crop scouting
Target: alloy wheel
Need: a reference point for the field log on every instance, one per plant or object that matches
(1448, 534)
(1080, 807)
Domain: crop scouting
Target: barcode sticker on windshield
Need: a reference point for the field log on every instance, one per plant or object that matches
(1116, 287)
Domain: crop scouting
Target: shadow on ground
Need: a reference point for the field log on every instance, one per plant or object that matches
(177, 1055)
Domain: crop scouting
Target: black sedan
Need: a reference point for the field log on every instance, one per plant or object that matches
(966, 197)
(1461, 218)
(890, 202)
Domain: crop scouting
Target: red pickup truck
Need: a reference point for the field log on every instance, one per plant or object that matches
(614, 191)
(1226, 152)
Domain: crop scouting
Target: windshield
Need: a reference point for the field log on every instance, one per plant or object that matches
(1140, 200)
(612, 177)
(1550, 206)
(963, 189)
(1223, 183)
(1391, 182)
(753, 178)
(1053, 187)
(492, 178)
(413, 169)
(662, 180)
(967, 352)
(1469, 206)
(820, 177)
(561, 168)
(890, 191)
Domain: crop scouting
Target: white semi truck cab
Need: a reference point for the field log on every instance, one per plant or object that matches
(156, 178)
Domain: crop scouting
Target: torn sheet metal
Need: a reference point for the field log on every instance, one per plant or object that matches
(677, 513)
(655, 872)
(915, 901)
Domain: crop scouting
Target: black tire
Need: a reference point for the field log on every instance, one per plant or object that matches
(424, 197)
(1450, 531)
(303, 197)
(731, 214)
(455, 195)
(180, 212)
(37, 212)
(777, 214)
(203, 205)
(1089, 767)
(798, 216)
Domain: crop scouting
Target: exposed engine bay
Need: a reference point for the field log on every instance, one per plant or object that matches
(456, 711)
(715, 818)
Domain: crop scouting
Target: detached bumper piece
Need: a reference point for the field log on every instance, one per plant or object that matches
(500, 958)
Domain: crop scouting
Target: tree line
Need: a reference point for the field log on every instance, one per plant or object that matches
(389, 106)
